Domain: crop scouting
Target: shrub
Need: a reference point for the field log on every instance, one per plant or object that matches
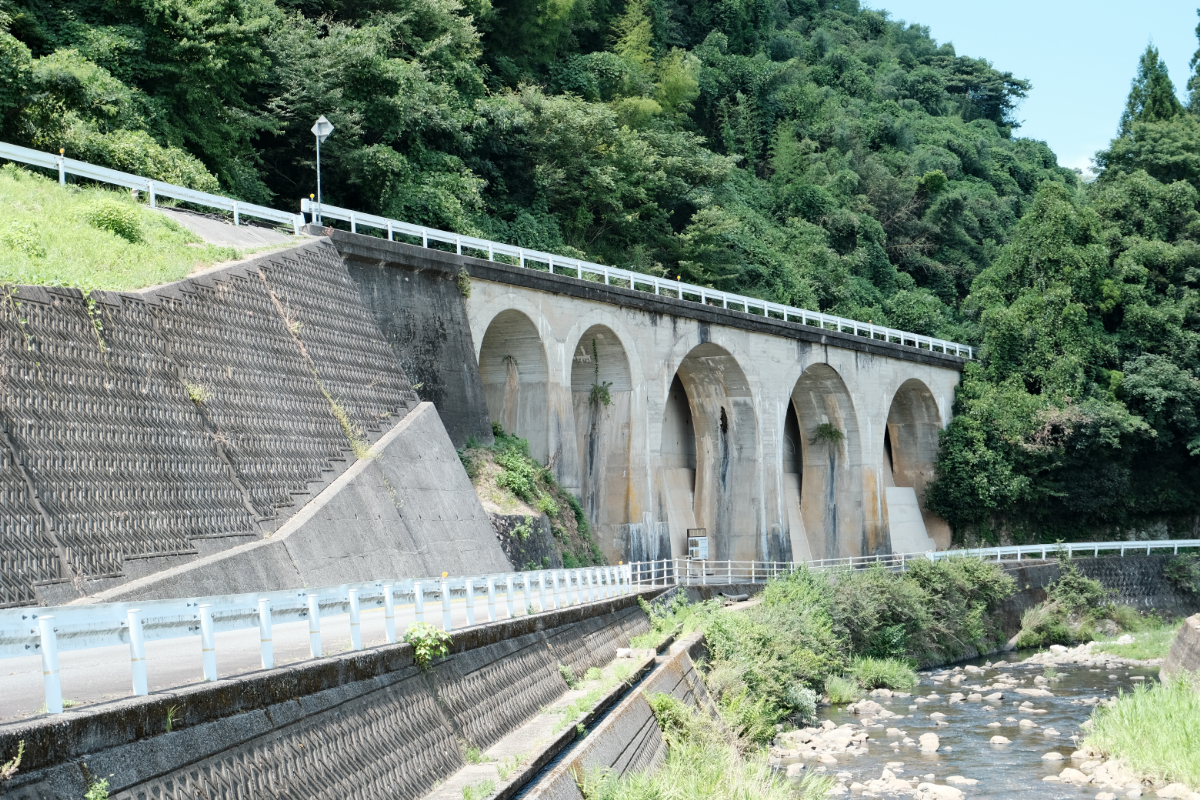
(546, 504)
(568, 676)
(114, 216)
(803, 701)
(428, 643)
(841, 690)
(1183, 573)
(883, 673)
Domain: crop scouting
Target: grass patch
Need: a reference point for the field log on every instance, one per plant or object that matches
(882, 673)
(588, 701)
(841, 690)
(677, 617)
(702, 765)
(1152, 641)
(478, 791)
(91, 238)
(1155, 729)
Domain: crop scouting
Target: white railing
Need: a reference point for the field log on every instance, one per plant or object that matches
(581, 269)
(45, 631)
(693, 572)
(153, 189)
(609, 276)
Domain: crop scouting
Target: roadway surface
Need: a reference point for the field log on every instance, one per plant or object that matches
(102, 674)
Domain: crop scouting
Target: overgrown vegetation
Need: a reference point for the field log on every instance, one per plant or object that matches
(702, 764)
(10, 767)
(1183, 573)
(1152, 638)
(1155, 729)
(839, 633)
(91, 238)
(509, 481)
(1077, 609)
(811, 152)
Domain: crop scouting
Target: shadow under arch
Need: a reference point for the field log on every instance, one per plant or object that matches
(513, 366)
(831, 493)
(910, 449)
(601, 398)
(709, 455)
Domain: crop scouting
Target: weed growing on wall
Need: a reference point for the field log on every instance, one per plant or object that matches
(97, 790)
(463, 282)
(829, 434)
(480, 790)
(600, 393)
(10, 767)
(428, 643)
(1075, 609)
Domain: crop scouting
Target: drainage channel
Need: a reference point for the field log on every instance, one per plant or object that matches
(578, 740)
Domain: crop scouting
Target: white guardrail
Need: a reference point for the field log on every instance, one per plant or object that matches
(581, 269)
(154, 189)
(45, 631)
(586, 270)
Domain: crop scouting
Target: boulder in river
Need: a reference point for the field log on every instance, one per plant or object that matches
(1000, 740)
(1053, 756)
(932, 791)
(929, 742)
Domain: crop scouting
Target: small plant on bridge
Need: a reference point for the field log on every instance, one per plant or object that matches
(428, 643)
(600, 393)
(829, 434)
(463, 282)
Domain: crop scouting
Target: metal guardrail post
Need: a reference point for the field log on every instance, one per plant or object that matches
(542, 590)
(50, 679)
(418, 602)
(137, 652)
(528, 591)
(470, 601)
(314, 626)
(491, 590)
(447, 624)
(508, 594)
(578, 576)
(355, 621)
(150, 191)
(266, 645)
(729, 564)
(208, 643)
(389, 613)
(62, 181)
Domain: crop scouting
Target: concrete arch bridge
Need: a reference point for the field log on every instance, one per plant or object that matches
(783, 441)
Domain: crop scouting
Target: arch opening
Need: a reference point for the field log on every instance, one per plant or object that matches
(512, 364)
(910, 452)
(601, 397)
(831, 482)
(710, 470)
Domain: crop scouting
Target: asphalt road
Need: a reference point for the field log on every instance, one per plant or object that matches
(102, 674)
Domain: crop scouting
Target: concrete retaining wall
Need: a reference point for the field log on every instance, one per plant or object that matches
(1185, 651)
(158, 427)
(364, 724)
(629, 740)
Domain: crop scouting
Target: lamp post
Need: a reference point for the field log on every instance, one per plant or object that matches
(321, 130)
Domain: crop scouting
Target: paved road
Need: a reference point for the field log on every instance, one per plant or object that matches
(102, 674)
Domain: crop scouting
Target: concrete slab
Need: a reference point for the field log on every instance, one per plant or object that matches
(215, 230)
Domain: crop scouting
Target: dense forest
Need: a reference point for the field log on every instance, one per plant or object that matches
(808, 151)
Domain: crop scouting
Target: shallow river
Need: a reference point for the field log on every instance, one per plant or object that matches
(1008, 771)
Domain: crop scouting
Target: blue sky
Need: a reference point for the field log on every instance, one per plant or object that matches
(1079, 55)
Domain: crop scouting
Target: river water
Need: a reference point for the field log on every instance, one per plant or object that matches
(1003, 771)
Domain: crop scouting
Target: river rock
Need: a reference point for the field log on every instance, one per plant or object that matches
(995, 697)
(937, 715)
(929, 742)
(1034, 692)
(795, 771)
(1057, 649)
(1053, 756)
(959, 780)
(1000, 740)
(894, 732)
(1027, 723)
(866, 708)
(1174, 790)
(881, 693)
(993, 725)
(1070, 775)
(1049, 732)
(825, 758)
(974, 697)
(971, 669)
(1106, 796)
(1126, 639)
(932, 791)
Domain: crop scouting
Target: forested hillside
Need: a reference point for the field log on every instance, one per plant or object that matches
(808, 151)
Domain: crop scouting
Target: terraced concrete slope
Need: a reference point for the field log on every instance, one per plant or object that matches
(145, 431)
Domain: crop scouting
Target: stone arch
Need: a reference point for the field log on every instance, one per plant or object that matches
(910, 449)
(709, 477)
(515, 373)
(602, 399)
(831, 494)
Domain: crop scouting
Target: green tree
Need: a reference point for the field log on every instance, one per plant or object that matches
(1152, 95)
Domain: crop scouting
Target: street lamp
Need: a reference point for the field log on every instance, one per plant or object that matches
(321, 130)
